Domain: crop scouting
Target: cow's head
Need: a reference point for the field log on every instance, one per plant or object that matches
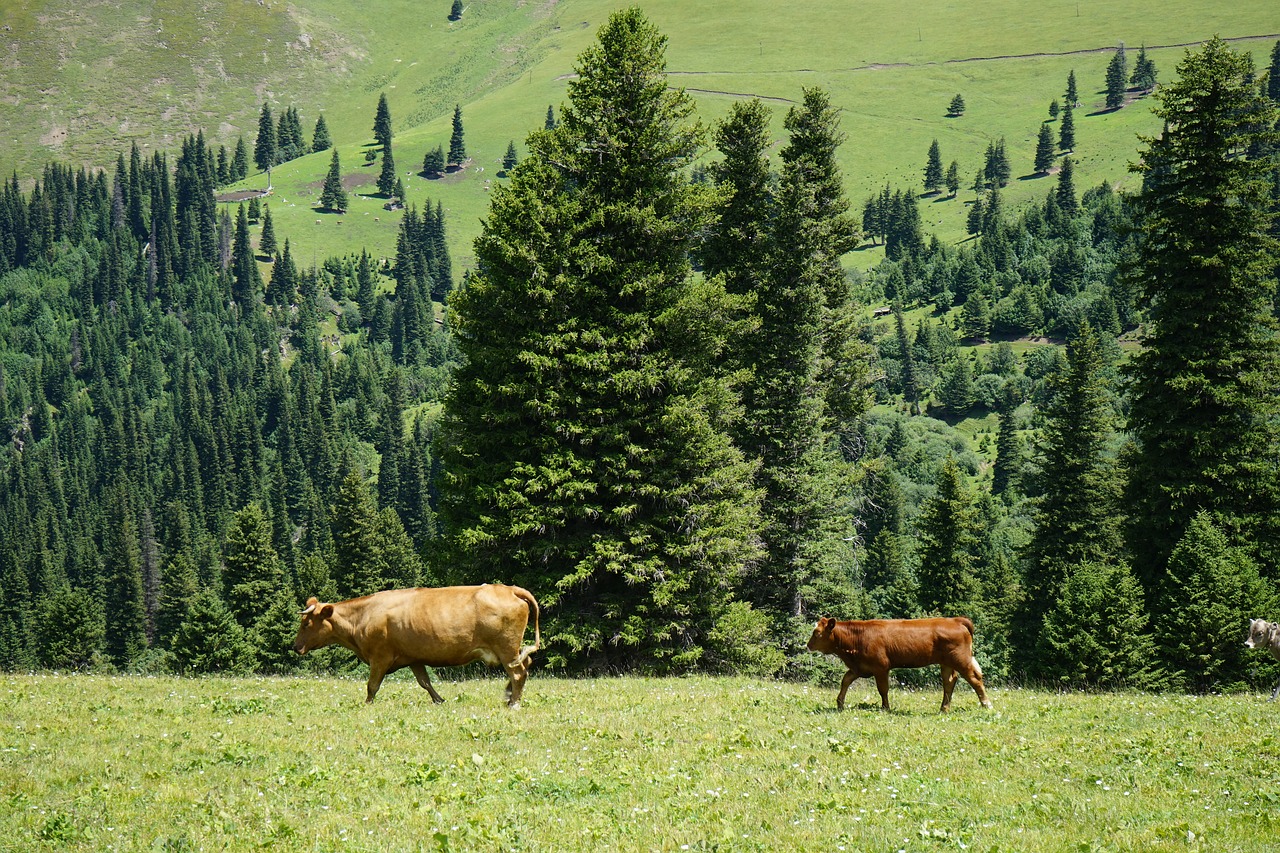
(316, 630)
(822, 639)
(1259, 634)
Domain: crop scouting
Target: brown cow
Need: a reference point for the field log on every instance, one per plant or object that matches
(1265, 635)
(874, 646)
(418, 628)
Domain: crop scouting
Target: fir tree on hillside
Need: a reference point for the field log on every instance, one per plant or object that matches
(1044, 150)
(267, 239)
(455, 11)
(1204, 409)
(387, 175)
(433, 163)
(1144, 72)
(332, 195)
(240, 161)
(933, 176)
(457, 148)
(1065, 192)
(955, 109)
(1117, 79)
(1067, 130)
(320, 140)
(952, 179)
(382, 123)
(265, 149)
(550, 122)
(510, 159)
(1071, 96)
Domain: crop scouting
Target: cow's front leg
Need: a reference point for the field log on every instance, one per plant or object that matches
(844, 688)
(1275, 693)
(424, 679)
(377, 672)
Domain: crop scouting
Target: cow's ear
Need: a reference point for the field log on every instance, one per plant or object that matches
(324, 611)
(826, 623)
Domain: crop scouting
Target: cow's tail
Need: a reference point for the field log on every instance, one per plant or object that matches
(527, 597)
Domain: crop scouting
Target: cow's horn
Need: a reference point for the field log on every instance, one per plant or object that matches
(310, 607)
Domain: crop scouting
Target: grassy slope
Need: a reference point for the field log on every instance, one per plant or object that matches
(624, 764)
(892, 72)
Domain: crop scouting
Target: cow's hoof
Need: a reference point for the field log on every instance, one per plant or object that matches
(438, 700)
(514, 706)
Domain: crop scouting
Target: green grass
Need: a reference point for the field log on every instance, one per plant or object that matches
(83, 80)
(88, 763)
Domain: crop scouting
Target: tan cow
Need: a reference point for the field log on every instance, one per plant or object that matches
(418, 628)
(872, 647)
(1265, 635)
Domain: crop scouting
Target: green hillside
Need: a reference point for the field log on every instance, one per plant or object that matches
(82, 81)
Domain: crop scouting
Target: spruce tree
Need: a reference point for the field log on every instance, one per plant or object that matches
(320, 140)
(1272, 81)
(457, 148)
(433, 163)
(252, 572)
(265, 148)
(125, 616)
(246, 281)
(1044, 151)
(583, 448)
(1071, 96)
(1204, 410)
(382, 123)
(791, 414)
(210, 640)
(387, 176)
(933, 169)
(956, 107)
(949, 535)
(1067, 129)
(455, 11)
(953, 179)
(1117, 79)
(1065, 192)
(550, 122)
(267, 239)
(283, 287)
(240, 161)
(1077, 518)
(510, 159)
(332, 195)
(1144, 71)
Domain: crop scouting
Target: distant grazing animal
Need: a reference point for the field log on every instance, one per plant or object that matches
(1265, 635)
(874, 646)
(418, 628)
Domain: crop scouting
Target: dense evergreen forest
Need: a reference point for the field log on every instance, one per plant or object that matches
(659, 401)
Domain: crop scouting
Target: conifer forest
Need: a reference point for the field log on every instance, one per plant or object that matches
(659, 398)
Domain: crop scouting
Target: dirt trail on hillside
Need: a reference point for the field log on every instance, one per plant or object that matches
(880, 66)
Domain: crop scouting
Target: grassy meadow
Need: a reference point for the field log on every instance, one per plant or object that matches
(83, 80)
(131, 763)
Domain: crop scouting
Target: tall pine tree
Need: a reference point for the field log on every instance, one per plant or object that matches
(1205, 410)
(583, 446)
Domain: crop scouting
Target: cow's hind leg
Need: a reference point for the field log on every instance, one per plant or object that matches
(424, 679)
(517, 672)
(1275, 693)
(949, 676)
(844, 688)
(973, 675)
